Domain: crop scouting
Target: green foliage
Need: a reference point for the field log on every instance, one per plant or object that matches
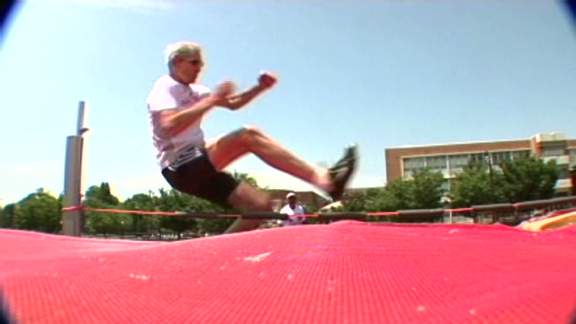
(143, 223)
(215, 226)
(8, 216)
(246, 178)
(427, 189)
(103, 194)
(424, 190)
(521, 179)
(478, 184)
(172, 200)
(100, 197)
(39, 211)
(371, 200)
(528, 178)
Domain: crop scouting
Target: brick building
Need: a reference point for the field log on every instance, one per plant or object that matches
(449, 159)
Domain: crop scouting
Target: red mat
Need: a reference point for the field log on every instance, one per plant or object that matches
(346, 272)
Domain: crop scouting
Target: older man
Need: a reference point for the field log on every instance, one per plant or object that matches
(294, 210)
(177, 105)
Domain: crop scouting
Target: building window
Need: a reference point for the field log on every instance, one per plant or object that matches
(563, 174)
(458, 161)
(572, 155)
(482, 158)
(521, 154)
(553, 151)
(411, 164)
(436, 162)
(499, 157)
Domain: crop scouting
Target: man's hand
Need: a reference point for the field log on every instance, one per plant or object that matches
(224, 93)
(224, 90)
(174, 122)
(267, 80)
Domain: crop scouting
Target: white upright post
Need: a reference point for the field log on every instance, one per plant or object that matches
(73, 176)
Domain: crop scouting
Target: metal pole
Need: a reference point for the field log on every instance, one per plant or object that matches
(73, 176)
(71, 219)
(81, 129)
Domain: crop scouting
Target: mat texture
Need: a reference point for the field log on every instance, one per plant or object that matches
(345, 272)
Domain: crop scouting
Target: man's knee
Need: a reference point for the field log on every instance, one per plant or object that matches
(247, 135)
(250, 132)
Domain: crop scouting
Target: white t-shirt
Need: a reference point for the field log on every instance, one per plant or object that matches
(169, 94)
(293, 219)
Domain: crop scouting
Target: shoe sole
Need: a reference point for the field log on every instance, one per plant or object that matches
(352, 157)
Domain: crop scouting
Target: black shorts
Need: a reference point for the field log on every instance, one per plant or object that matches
(193, 173)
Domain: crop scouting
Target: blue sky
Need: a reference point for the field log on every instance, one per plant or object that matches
(379, 73)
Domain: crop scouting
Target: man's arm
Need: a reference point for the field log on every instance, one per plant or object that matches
(175, 122)
(240, 100)
(237, 101)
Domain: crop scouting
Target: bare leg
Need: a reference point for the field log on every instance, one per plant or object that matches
(249, 139)
(247, 197)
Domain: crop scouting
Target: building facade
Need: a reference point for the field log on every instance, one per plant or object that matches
(450, 159)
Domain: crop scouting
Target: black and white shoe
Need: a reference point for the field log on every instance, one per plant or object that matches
(342, 171)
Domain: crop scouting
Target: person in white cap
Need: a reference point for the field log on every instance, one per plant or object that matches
(294, 211)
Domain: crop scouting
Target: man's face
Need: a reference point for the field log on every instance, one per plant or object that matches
(189, 67)
(292, 200)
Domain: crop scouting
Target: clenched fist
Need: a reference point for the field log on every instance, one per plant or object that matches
(225, 89)
(267, 80)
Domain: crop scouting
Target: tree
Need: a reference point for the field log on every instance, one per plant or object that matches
(529, 178)
(246, 178)
(8, 218)
(397, 195)
(95, 222)
(371, 200)
(424, 190)
(214, 226)
(427, 190)
(39, 211)
(172, 201)
(478, 184)
(103, 194)
(144, 202)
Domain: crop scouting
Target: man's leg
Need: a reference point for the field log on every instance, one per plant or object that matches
(199, 178)
(247, 197)
(249, 139)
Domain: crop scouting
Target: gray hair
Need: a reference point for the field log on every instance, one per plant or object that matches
(180, 49)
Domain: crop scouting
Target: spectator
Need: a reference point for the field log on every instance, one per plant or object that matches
(296, 212)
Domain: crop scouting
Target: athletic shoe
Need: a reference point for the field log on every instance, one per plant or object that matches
(342, 171)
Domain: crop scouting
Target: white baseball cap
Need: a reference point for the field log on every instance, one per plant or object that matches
(290, 194)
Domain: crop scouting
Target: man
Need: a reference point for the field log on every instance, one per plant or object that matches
(294, 211)
(177, 105)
